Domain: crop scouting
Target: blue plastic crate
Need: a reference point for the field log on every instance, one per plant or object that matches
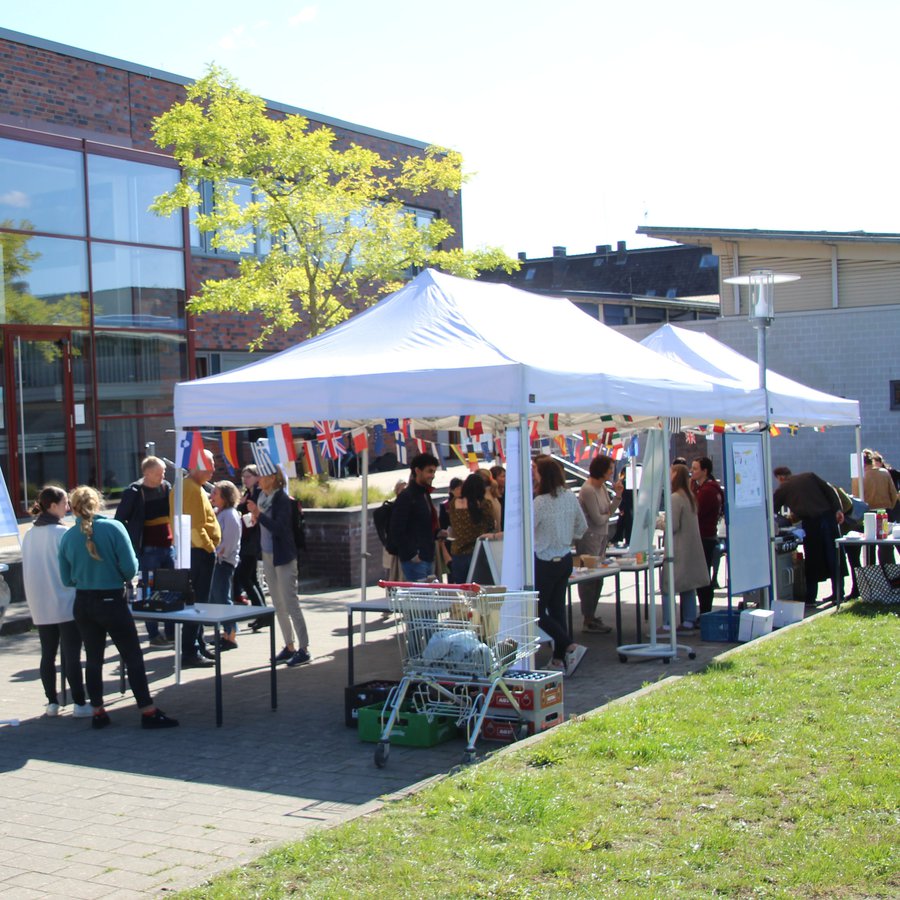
(720, 625)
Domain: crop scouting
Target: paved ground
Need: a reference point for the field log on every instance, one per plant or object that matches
(127, 813)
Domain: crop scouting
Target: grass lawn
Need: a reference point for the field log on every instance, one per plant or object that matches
(772, 774)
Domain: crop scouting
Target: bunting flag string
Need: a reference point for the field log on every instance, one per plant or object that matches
(457, 451)
(793, 430)
(473, 462)
(359, 439)
(436, 452)
(328, 435)
(691, 438)
(391, 425)
(400, 447)
(262, 457)
(311, 461)
(230, 451)
(190, 446)
(281, 444)
(719, 427)
(553, 421)
(774, 430)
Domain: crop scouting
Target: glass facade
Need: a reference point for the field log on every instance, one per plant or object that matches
(92, 314)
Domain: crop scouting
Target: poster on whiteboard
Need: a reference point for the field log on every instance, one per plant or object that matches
(747, 466)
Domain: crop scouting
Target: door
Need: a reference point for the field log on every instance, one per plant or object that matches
(50, 415)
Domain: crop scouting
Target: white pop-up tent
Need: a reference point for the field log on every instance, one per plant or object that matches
(442, 347)
(790, 402)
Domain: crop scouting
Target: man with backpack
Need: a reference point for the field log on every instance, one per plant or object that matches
(414, 521)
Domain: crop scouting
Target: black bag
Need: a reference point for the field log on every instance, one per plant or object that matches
(162, 602)
(381, 519)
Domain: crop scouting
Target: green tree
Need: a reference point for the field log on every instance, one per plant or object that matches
(334, 214)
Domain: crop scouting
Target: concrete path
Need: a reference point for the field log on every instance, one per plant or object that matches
(127, 813)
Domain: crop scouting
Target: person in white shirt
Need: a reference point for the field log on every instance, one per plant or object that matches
(558, 521)
(224, 499)
(51, 603)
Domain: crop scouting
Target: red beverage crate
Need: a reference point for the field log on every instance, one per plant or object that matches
(506, 730)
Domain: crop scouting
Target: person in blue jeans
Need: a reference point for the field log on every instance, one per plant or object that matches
(144, 511)
(414, 521)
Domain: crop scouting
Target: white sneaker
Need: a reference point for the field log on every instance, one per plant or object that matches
(573, 659)
(82, 710)
(51, 709)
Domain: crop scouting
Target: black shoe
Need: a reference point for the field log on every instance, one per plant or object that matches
(205, 652)
(256, 625)
(196, 662)
(100, 720)
(299, 658)
(225, 645)
(158, 719)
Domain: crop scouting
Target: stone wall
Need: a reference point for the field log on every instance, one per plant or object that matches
(332, 553)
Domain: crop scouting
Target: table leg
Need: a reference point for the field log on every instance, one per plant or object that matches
(218, 679)
(618, 611)
(637, 605)
(350, 647)
(362, 626)
(569, 605)
(272, 675)
(178, 653)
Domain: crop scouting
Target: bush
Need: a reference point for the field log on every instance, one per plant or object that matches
(320, 493)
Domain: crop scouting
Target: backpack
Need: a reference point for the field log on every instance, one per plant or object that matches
(298, 526)
(381, 519)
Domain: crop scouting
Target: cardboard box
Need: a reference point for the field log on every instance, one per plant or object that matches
(787, 612)
(755, 623)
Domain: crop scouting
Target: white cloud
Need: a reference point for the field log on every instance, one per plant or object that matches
(307, 14)
(17, 199)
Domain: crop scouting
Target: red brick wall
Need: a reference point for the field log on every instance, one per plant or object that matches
(51, 92)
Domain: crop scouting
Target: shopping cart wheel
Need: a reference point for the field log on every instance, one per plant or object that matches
(692, 655)
(468, 757)
(522, 732)
(623, 658)
(382, 752)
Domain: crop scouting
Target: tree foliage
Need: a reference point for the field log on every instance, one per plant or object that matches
(333, 213)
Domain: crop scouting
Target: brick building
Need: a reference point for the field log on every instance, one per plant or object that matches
(94, 330)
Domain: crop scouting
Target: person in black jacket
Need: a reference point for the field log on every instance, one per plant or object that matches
(246, 576)
(144, 511)
(414, 521)
(272, 510)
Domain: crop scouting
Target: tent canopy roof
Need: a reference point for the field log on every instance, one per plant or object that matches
(442, 347)
(790, 401)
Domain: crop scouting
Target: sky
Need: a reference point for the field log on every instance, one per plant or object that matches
(579, 120)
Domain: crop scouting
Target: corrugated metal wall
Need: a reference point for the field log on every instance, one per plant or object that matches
(813, 291)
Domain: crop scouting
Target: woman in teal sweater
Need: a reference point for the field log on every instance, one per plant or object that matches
(97, 559)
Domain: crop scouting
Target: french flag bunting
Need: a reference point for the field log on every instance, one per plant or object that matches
(262, 457)
(311, 459)
(281, 444)
(190, 450)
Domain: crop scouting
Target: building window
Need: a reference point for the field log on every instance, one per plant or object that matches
(616, 315)
(259, 242)
(43, 281)
(895, 395)
(41, 188)
(120, 193)
(137, 287)
(709, 261)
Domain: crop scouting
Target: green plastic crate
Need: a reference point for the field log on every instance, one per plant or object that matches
(411, 729)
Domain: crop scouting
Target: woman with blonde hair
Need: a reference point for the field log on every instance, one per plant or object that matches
(97, 559)
(51, 602)
(272, 510)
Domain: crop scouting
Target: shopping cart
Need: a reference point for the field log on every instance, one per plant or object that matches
(457, 641)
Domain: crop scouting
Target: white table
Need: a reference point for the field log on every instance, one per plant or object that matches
(216, 614)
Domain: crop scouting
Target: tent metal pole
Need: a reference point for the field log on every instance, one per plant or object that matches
(859, 463)
(668, 557)
(364, 527)
(527, 504)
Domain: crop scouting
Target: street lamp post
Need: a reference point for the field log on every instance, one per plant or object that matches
(761, 313)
